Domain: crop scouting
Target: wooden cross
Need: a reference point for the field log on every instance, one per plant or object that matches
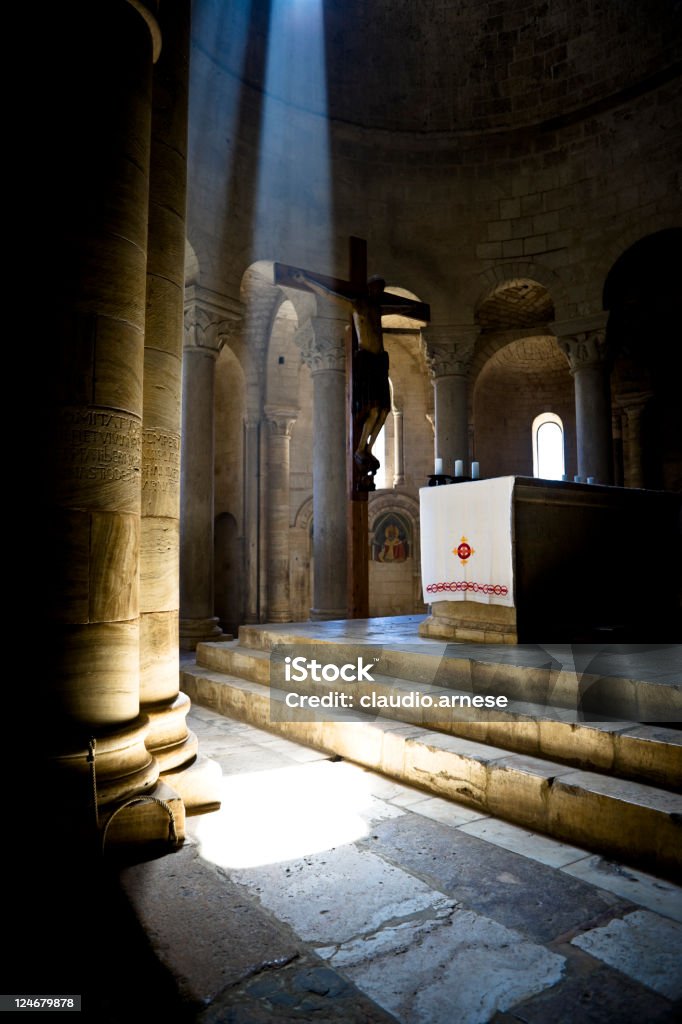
(363, 299)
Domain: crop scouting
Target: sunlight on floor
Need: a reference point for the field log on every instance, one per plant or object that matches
(284, 814)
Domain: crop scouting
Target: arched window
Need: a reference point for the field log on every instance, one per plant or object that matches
(548, 446)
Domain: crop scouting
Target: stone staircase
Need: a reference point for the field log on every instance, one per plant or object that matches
(553, 760)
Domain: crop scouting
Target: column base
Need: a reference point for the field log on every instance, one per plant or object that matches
(145, 822)
(169, 740)
(193, 631)
(327, 614)
(124, 768)
(199, 785)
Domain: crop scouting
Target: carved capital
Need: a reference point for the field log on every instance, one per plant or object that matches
(205, 331)
(632, 404)
(584, 349)
(324, 347)
(448, 350)
(280, 420)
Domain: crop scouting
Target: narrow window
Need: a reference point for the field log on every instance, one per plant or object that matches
(380, 453)
(548, 446)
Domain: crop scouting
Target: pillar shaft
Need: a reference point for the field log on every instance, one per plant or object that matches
(93, 383)
(203, 342)
(252, 481)
(326, 358)
(280, 425)
(168, 736)
(448, 351)
(633, 409)
(588, 359)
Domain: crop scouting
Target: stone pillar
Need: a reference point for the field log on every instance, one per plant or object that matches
(325, 355)
(584, 345)
(280, 424)
(168, 738)
(92, 372)
(633, 407)
(448, 351)
(398, 450)
(204, 338)
(618, 451)
(252, 487)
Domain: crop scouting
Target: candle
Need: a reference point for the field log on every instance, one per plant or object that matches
(439, 467)
(590, 479)
(459, 467)
(475, 471)
(577, 479)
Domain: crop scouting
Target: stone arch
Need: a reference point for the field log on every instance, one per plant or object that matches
(303, 520)
(404, 505)
(395, 585)
(192, 268)
(641, 294)
(607, 253)
(524, 376)
(493, 277)
(514, 307)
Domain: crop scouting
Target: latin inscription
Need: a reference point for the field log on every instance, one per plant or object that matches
(160, 462)
(99, 445)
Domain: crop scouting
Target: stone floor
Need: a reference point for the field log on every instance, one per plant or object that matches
(323, 892)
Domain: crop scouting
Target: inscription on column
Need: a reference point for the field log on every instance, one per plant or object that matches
(160, 472)
(98, 458)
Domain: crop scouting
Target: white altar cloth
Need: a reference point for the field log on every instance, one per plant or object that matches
(466, 542)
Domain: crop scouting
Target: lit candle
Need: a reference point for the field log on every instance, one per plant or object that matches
(459, 467)
(439, 467)
(475, 471)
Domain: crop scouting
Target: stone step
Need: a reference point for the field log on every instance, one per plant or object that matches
(644, 753)
(630, 821)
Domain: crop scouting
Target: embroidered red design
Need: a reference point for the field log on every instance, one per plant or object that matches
(464, 551)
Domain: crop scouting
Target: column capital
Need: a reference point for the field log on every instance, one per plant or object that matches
(632, 403)
(583, 341)
(324, 347)
(448, 349)
(280, 420)
(206, 331)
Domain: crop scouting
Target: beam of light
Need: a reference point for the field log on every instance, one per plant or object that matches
(219, 57)
(283, 814)
(293, 193)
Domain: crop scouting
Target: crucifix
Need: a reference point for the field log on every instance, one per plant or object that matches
(368, 398)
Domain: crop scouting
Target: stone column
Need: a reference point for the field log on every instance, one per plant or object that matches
(618, 451)
(280, 425)
(168, 738)
(633, 407)
(448, 351)
(584, 345)
(398, 450)
(204, 338)
(91, 370)
(324, 353)
(252, 485)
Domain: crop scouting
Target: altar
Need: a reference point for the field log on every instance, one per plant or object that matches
(521, 560)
